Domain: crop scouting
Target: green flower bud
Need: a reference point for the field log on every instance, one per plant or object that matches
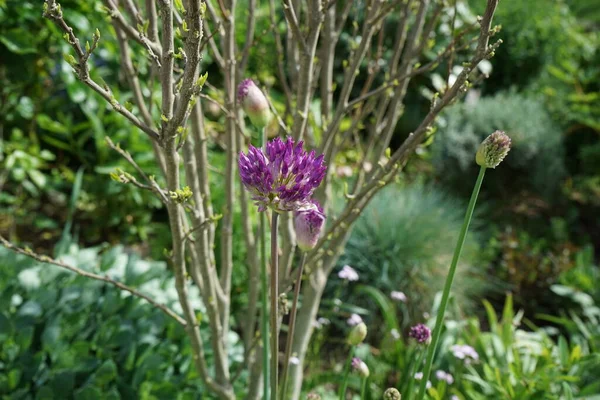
(359, 366)
(493, 149)
(357, 334)
(392, 394)
(254, 103)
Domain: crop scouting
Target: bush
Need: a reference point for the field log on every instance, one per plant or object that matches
(535, 162)
(404, 241)
(63, 336)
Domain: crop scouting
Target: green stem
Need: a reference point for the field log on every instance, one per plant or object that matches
(265, 305)
(363, 389)
(264, 288)
(446, 294)
(274, 307)
(291, 327)
(413, 369)
(346, 373)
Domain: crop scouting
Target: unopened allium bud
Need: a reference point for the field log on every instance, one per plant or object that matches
(359, 366)
(421, 333)
(254, 103)
(357, 334)
(308, 224)
(392, 394)
(493, 149)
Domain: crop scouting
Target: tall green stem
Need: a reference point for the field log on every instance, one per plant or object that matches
(346, 373)
(274, 307)
(446, 294)
(264, 304)
(264, 287)
(291, 328)
(363, 389)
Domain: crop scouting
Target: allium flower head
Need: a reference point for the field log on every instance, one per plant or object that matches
(392, 394)
(308, 224)
(357, 334)
(493, 149)
(254, 103)
(348, 273)
(359, 366)
(283, 179)
(421, 333)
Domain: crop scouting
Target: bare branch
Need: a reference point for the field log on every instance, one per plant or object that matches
(53, 12)
(103, 278)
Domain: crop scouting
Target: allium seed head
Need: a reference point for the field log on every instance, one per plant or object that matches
(254, 103)
(308, 224)
(421, 333)
(392, 394)
(493, 149)
(285, 178)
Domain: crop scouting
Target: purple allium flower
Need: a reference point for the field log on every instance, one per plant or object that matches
(359, 366)
(444, 376)
(399, 296)
(348, 273)
(283, 179)
(308, 224)
(465, 352)
(493, 149)
(254, 103)
(354, 320)
(421, 333)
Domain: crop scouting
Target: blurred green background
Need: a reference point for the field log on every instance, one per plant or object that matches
(536, 234)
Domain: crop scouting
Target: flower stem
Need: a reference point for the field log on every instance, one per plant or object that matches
(264, 288)
(274, 307)
(446, 294)
(346, 373)
(291, 327)
(265, 304)
(363, 389)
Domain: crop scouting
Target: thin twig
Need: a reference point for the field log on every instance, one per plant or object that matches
(119, 285)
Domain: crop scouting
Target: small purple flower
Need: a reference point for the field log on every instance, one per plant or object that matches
(421, 333)
(398, 296)
(465, 352)
(254, 103)
(444, 376)
(419, 376)
(283, 179)
(354, 319)
(308, 224)
(348, 273)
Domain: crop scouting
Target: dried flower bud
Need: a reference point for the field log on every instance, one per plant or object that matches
(421, 333)
(254, 103)
(392, 394)
(493, 149)
(359, 366)
(308, 224)
(357, 334)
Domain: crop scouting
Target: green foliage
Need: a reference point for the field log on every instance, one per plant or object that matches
(404, 241)
(535, 161)
(64, 336)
